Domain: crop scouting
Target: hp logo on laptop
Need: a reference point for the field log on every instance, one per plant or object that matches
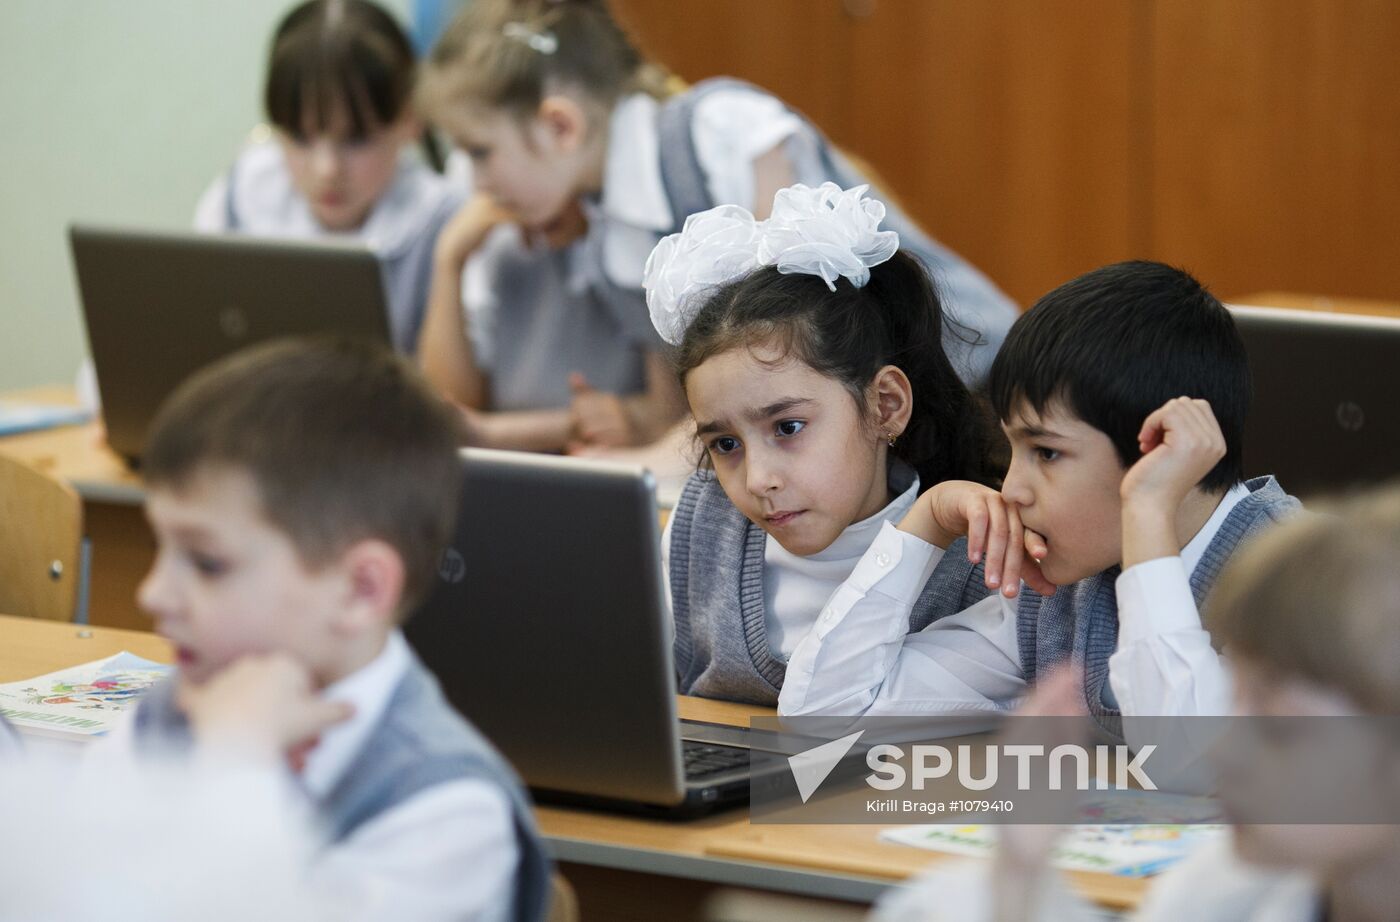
(1350, 416)
(233, 322)
(451, 567)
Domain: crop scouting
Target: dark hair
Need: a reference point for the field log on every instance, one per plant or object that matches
(344, 440)
(505, 54)
(849, 334)
(331, 57)
(1116, 344)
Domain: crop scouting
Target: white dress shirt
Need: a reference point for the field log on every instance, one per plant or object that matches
(268, 204)
(1210, 885)
(858, 660)
(796, 587)
(446, 853)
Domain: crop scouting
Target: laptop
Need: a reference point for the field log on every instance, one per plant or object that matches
(548, 628)
(1324, 415)
(159, 306)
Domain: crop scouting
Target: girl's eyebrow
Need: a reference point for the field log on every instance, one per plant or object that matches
(756, 414)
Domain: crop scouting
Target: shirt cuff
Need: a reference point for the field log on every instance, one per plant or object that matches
(897, 565)
(1154, 598)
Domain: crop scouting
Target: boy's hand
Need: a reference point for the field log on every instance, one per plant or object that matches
(1180, 443)
(262, 706)
(993, 528)
(463, 234)
(597, 418)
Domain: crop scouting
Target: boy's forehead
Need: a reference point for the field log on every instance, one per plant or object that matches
(221, 494)
(1055, 419)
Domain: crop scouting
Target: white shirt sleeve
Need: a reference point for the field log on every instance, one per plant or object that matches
(447, 853)
(732, 128)
(860, 660)
(210, 215)
(1165, 664)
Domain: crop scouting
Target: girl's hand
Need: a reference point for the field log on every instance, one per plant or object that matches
(993, 529)
(263, 705)
(473, 428)
(597, 418)
(566, 227)
(461, 236)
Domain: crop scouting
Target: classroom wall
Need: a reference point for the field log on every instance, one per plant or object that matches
(115, 111)
(1255, 142)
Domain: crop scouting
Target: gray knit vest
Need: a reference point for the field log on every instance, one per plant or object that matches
(420, 741)
(1080, 621)
(982, 314)
(717, 598)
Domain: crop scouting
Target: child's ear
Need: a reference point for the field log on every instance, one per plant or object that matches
(564, 121)
(374, 574)
(892, 397)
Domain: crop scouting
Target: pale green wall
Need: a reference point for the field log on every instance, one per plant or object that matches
(114, 111)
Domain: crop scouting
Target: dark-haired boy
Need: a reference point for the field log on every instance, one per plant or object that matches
(1123, 394)
(300, 493)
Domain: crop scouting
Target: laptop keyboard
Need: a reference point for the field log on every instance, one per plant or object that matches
(702, 759)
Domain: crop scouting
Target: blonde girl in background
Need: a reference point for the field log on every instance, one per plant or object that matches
(559, 112)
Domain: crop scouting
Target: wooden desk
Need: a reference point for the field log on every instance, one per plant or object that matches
(30, 647)
(121, 541)
(623, 867)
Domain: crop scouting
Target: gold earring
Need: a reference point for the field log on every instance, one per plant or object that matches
(890, 438)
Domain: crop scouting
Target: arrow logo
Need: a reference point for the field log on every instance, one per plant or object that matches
(810, 768)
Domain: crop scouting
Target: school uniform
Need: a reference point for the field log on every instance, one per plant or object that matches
(1210, 885)
(535, 314)
(421, 818)
(257, 196)
(670, 159)
(1138, 634)
(740, 602)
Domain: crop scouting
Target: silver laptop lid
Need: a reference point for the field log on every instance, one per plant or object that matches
(1326, 409)
(548, 626)
(159, 306)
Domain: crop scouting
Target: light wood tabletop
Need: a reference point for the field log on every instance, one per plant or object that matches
(76, 453)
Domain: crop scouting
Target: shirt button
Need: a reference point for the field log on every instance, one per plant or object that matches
(882, 559)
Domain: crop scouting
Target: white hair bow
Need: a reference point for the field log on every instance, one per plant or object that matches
(826, 231)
